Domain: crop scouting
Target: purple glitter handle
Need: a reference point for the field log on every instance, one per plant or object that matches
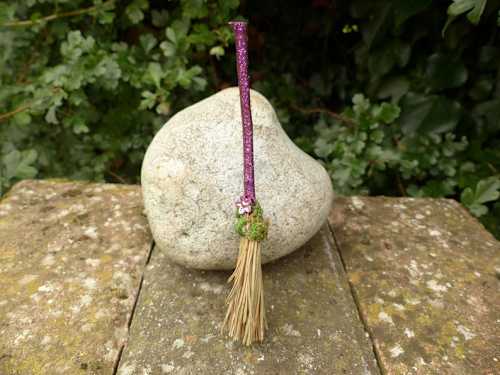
(241, 41)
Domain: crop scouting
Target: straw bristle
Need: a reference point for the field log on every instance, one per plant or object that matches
(245, 318)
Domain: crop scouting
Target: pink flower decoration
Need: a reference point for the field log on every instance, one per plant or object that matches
(244, 205)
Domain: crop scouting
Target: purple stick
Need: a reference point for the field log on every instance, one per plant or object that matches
(241, 41)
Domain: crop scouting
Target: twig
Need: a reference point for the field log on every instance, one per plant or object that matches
(55, 16)
(7, 115)
(119, 178)
(215, 75)
(492, 167)
(400, 185)
(335, 115)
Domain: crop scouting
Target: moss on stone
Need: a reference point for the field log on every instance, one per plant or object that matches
(252, 226)
(423, 281)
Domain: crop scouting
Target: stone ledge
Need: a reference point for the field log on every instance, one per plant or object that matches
(423, 272)
(71, 258)
(314, 324)
(425, 276)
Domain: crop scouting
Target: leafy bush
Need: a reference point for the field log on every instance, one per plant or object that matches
(86, 84)
(427, 123)
(84, 87)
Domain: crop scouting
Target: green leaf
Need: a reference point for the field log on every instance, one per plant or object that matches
(10, 162)
(148, 42)
(199, 83)
(22, 118)
(460, 6)
(386, 112)
(437, 189)
(381, 61)
(109, 69)
(490, 110)
(395, 87)
(428, 114)
(475, 14)
(7, 12)
(50, 116)
(486, 190)
(186, 77)
(148, 101)
(159, 18)
(170, 34)
(475, 9)
(156, 73)
(444, 72)
(360, 103)
(76, 45)
(443, 116)
(106, 18)
(80, 128)
(168, 48)
(217, 51)
(78, 97)
(322, 148)
(229, 4)
(19, 164)
(134, 10)
(181, 27)
(194, 8)
(202, 36)
(163, 108)
(134, 13)
(377, 136)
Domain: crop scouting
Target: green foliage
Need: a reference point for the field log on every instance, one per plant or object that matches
(486, 190)
(84, 85)
(427, 123)
(473, 8)
(394, 97)
(368, 147)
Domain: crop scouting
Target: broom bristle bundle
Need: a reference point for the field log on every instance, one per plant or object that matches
(245, 318)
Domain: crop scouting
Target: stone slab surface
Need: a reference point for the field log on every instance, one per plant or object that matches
(71, 259)
(314, 324)
(426, 277)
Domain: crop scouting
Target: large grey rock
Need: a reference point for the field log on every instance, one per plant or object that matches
(192, 174)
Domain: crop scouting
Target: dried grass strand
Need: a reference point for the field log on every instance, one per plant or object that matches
(245, 318)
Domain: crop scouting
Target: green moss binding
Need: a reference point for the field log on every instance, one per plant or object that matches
(252, 226)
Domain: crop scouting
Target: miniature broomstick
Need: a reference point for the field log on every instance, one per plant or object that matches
(245, 318)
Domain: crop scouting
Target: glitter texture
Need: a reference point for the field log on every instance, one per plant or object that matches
(241, 41)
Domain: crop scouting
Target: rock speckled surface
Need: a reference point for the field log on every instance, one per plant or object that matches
(426, 277)
(192, 174)
(314, 324)
(71, 259)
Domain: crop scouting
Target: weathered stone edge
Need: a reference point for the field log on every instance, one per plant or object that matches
(343, 274)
